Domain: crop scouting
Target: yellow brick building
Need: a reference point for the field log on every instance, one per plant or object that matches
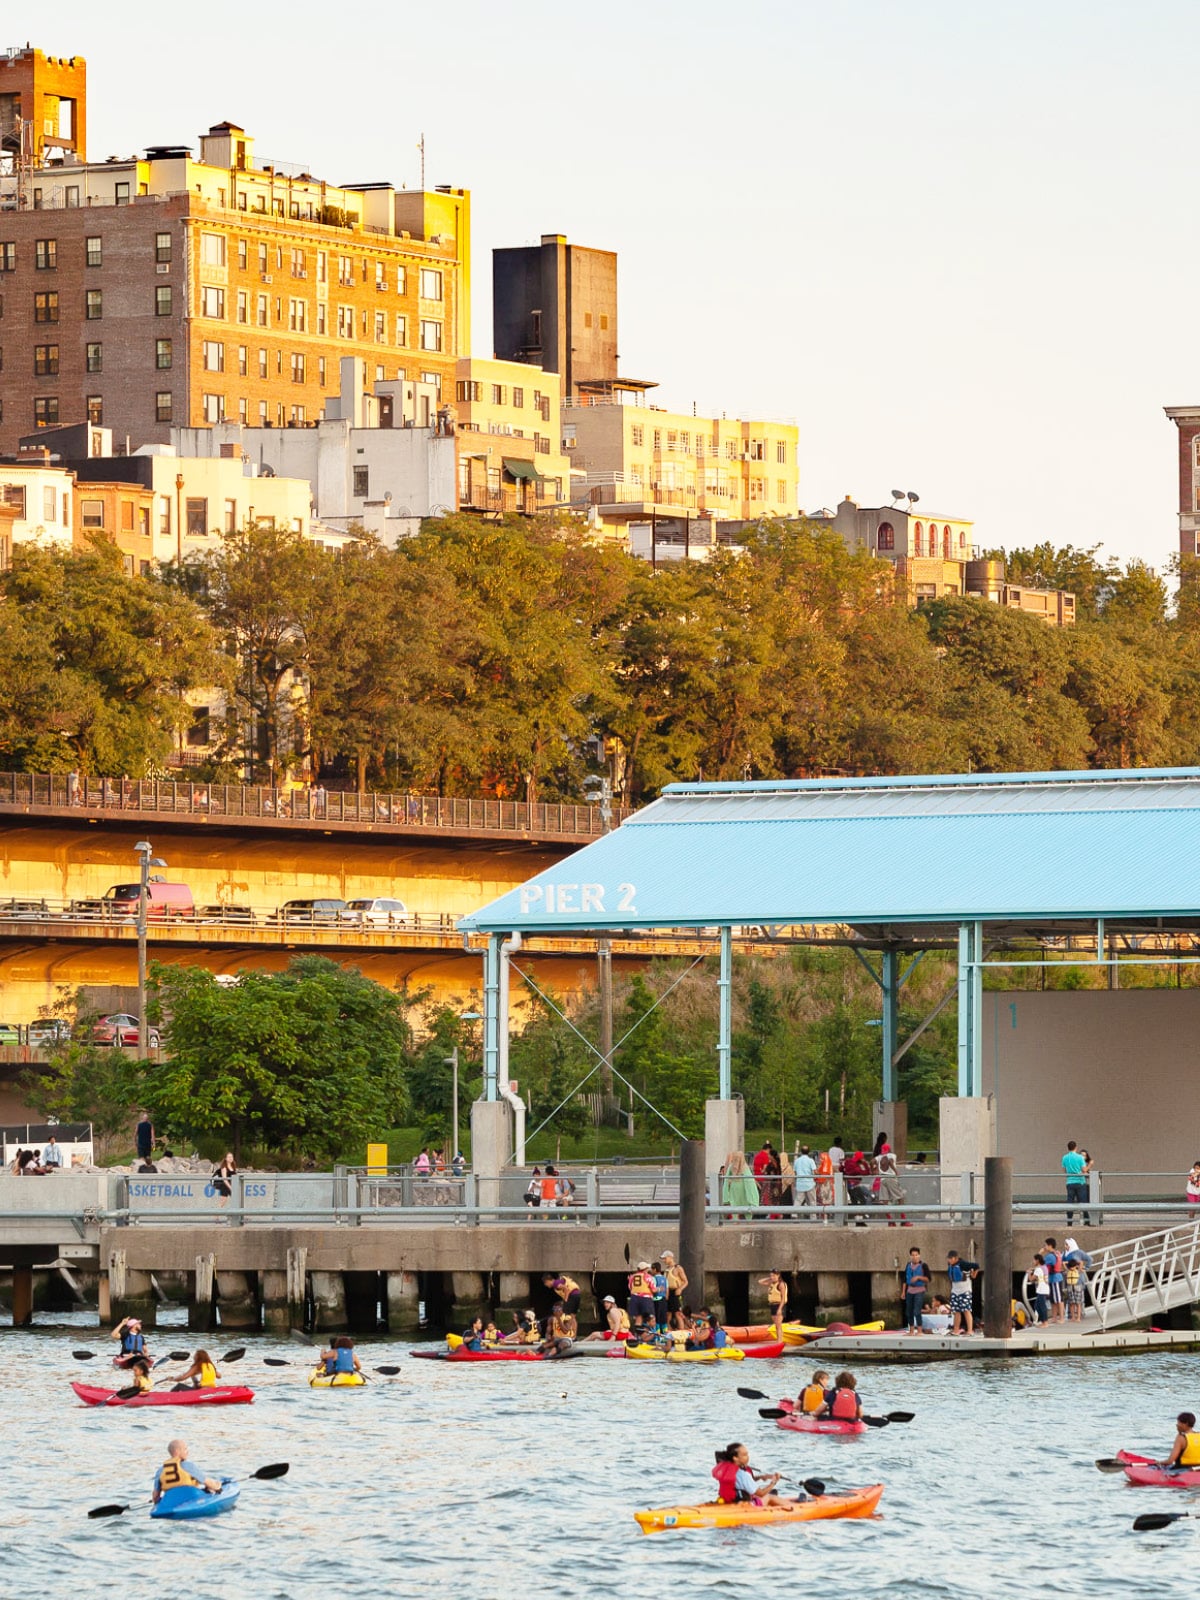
(510, 456)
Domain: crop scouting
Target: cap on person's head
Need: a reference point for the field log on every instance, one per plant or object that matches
(608, 1300)
(643, 1266)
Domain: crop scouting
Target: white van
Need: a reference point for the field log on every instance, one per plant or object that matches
(377, 913)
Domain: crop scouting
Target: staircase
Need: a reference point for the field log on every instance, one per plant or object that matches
(1141, 1277)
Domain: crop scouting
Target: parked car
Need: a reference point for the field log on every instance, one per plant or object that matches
(378, 913)
(24, 910)
(120, 1028)
(310, 913)
(164, 901)
(10, 1033)
(212, 914)
(48, 1030)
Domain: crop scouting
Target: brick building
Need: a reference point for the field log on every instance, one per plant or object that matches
(1187, 424)
(509, 430)
(43, 113)
(554, 305)
(163, 291)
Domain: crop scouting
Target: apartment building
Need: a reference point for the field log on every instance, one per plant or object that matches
(163, 291)
(1187, 426)
(509, 431)
(636, 462)
(554, 306)
(934, 556)
(43, 109)
(36, 504)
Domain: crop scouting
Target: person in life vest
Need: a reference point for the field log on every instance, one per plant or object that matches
(616, 1323)
(1185, 1452)
(777, 1297)
(707, 1333)
(842, 1399)
(812, 1399)
(565, 1289)
(340, 1356)
(738, 1481)
(133, 1343)
(202, 1374)
(140, 1383)
(178, 1472)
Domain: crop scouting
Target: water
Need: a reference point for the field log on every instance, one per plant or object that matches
(492, 1480)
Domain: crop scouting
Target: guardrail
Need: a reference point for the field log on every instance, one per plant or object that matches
(122, 914)
(152, 797)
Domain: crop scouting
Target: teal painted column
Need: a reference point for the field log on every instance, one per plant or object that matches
(492, 1020)
(891, 1022)
(970, 1009)
(725, 1018)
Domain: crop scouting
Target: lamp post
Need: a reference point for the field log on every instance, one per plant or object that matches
(146, 860)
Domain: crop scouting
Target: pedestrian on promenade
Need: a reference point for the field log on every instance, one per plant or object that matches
(549, 1188)
(857, 1171)
(1192, 1187)
(1075, 1166)
(52, 1154)
(422, 1166)
(825, 1187)
(962, 1294)
(888, 1187)
(805, 1183)
(761, 1169)
(533, 1189)
(786, 1181)
(916, 1286)
(837, 1153)
(739, 1187)
(144, 1136)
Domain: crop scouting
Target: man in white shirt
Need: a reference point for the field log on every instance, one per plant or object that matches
(806, 1177)
(836, 1154)
(52, 1155)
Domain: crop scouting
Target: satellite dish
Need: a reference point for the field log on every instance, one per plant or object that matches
(913, 497)
(897, 494)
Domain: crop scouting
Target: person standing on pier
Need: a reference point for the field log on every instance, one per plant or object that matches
(677, 1282)
(962, 1296)
(144, 1136)
(1075, 1167)
(777, 1297)
(916, 1286)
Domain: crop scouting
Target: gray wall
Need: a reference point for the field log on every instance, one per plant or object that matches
(1114, 1070)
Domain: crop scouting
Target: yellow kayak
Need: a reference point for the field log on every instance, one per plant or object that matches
(652, 1352)
(857, 1503)
(338, 1380)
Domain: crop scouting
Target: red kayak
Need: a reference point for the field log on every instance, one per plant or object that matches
(494, 1355)
(802, 1422)
(766, 1351)
(222, 1395)
(1149, 1474)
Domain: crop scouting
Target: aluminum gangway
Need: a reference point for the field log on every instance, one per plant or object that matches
(1142, 1277)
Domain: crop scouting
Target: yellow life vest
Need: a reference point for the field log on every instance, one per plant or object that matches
(625, 1323)
(1191, 1451)
(173, 1476)
(777, 1294)
(812, 1398)
(208, 1375)
(566, 1286)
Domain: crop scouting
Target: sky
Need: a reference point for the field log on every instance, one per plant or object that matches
(954, 242)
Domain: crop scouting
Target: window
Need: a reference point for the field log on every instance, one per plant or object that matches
(362, 478)
(672, 440)
(243, 410)
(197, 518)
(214, 408)
(162, 353)
(757, 450)
(345, 322)
(431, 284)
(45, 411)
(162, 301)
(94, 254)
(298, 373)
(435, 378)
(401, 328)
(381, 327)
(299, 269)
(322, 266)
(321, 371)
(658, 438)
(345, 270)
(243, 251)
(243, 306)
(261, 312)
(380, 275)
(45, 254)
(262, 364)
(49, 505)
(13, 496)
(401, 281)
(212, 250)
(731, 449)
(162, 413)
(431, 335)
(45, 360)
(518, 398)
(781, 453)
(212, 303)
(685, 443)
(298, 316)
(45, 306)
(91, 513)
(95, 358)
(637, 435)
(94, 305)
(781, 489)
(231, 516)
(262, 413)
(8, 257)
(947, 545)
(918, 538)
(162, 247)
(468, 391)
(243, 361)
(121, 194)
(498, 394)
(214, 356)
(72, 197)
(587, 319)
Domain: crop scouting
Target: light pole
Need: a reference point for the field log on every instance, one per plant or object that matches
(452, 1061)
(146, 860)
(599, 792)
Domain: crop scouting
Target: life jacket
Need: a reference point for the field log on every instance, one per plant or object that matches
(208, 1375)
(172, 1476)
(812, 1398)
(641, 1283)
(725, 1472)
(132, 1344)
(1053, 1260)
(565, 1286)
(344, 1361)
(1191, 1451)
(844, 1406)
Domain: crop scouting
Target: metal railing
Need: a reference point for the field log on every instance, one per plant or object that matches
(1143, 1276)
(122, 914)
(157, 798)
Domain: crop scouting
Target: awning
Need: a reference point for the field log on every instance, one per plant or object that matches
(520, 469)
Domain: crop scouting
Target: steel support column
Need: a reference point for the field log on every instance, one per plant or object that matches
(891, 1023)
(970, 1009)
(725, 1022)
(493, 1022)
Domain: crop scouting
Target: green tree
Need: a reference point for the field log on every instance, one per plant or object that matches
(84, 1082)
(303, 1062)
(1084, 573)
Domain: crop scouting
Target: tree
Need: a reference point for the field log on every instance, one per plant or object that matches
(1081, 572)
(308, 1061)
(86, 1083)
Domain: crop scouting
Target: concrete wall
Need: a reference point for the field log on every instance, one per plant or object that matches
(1113, 1069)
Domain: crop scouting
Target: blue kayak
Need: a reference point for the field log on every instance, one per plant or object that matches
(189, 1500)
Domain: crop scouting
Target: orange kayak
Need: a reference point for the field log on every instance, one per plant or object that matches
(716, 1514)
(756, 1333)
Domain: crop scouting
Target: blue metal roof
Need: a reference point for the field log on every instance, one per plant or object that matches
(1043, 846)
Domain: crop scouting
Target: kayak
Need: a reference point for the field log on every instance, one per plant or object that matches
(756, 1333)
(653, 1352)
(222, 1395)
(801, 1422)
(336, 1380)
(716, 1514)
(763, 1352)
(517, 1354)
(1150, 1474)
(191, 1500)
(800, 1333)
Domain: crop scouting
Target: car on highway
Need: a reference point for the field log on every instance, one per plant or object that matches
(311, 913)
(10, 1033)
(211, 914)
(377, 913)
(24, 910)
(48, 1030)
(119, 1028)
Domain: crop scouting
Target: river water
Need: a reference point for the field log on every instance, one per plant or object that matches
(492, 1480)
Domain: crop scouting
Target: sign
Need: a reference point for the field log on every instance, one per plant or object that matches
(377, 1160)
(580, 899)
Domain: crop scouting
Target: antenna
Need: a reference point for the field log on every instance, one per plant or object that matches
(421, 148)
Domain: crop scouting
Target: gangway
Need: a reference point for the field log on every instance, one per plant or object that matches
(1141, 1277)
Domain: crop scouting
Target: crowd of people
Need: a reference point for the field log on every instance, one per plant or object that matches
(806, 1180)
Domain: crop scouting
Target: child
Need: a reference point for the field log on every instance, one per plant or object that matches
(660, 1296)
(1039, 1279)
(737, 1480)
(812, 1399)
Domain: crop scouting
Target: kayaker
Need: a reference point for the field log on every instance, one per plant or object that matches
(140, 1383)
(1185, 1452)
(617, 1326)
(812, 1401)
(132, 1340)
(472, 1338)
(565, 1289)
(641, 1293)
(340, 1356)
(525, 1329)
(177, 1472)
(491, 1336)
(737, 1480)
(677, 1282)
(660, 1297)
(777, 1296)
(707, 1333)
(842, 1400)
(916, 1286)
(202, 1374)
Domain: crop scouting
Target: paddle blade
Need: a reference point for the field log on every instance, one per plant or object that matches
(1157, 1519)
(275, 1361)
(753, 1394)
(84, 1355)
(277, 1469)
(772, 1413)
(177, 1355)
(387, 1372)
(813, 1485)
(1110, 1464)
(874, 1422)
(900, 1416)
(107, 1511)
(234, 1355)
(299, 1336)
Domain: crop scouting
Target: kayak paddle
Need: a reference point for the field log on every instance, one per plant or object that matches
(773, 1414)
(278, 1361)
(1154, 1520)
(277, 1469)
(84, 1355)
(753, 1394)
(234, 1355)
(1110, 1464)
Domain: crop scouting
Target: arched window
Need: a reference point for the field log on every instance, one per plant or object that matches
(885, 538)
(962, 539)
(918, 535)
(947, 544)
